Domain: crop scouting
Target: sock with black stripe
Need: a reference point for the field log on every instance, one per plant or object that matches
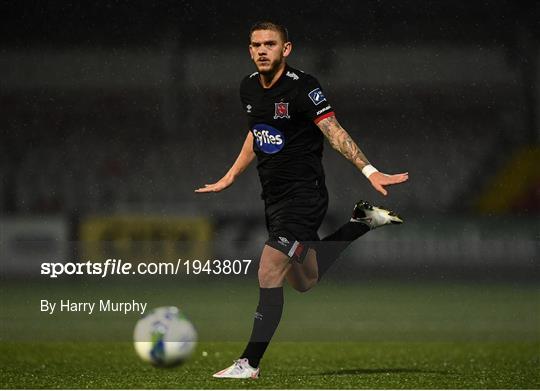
(266, 321)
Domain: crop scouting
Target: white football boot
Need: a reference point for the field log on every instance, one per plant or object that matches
(373, 216)
(239, 370)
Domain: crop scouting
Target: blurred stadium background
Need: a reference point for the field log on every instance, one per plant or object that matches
(112, 113)
(118, 110)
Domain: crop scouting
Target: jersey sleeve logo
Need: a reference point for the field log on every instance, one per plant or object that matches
(281, 110)
(292, 75)
(268, 139)
(316, 96)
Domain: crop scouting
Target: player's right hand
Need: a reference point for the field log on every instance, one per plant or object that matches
(222, 184)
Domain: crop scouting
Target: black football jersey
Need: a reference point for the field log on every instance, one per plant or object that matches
(287, 141)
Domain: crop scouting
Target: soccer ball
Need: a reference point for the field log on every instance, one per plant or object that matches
(164, 337)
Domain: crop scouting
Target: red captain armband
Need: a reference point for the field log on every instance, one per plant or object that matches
(326, 115)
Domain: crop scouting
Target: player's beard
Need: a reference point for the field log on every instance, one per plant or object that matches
(272, 69)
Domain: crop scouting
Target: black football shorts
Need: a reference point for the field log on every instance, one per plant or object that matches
(293, 222)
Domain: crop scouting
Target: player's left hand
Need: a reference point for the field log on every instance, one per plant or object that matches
(379, 180)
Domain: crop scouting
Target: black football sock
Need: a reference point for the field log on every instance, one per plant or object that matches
(330, 248)
(265, 324)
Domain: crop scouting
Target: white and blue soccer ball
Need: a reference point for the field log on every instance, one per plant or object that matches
(165, 337)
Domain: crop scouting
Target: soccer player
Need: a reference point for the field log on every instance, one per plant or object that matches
(289, 116)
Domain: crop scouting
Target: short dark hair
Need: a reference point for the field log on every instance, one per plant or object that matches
(267, 25)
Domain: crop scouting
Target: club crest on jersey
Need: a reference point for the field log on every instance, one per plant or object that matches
(268, 139)
(316, 96)
(282, 110)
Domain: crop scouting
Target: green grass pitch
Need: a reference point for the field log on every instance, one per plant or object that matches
(373, 335)
(327, 365)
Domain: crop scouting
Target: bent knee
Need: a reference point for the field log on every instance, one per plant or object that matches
(302, 288)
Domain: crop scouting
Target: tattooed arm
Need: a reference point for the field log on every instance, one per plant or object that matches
(342, 142)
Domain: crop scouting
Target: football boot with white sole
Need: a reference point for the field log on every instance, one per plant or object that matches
(239, 370)
(374, 216)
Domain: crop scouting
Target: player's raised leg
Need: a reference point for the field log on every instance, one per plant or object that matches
(273, 267)
(365, 217)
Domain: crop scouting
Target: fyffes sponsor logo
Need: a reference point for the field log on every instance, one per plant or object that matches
(268, 139)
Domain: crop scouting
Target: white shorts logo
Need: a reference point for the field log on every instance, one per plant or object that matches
(283, 241)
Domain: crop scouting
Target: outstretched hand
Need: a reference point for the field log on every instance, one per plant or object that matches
(379, 180)
(220, 185)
